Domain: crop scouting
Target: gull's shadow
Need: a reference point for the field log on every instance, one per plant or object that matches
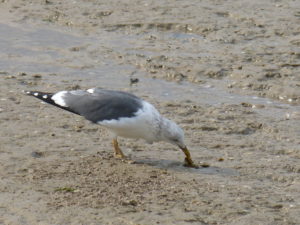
(178, 166)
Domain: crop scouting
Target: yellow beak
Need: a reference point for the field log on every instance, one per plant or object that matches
(188, 160)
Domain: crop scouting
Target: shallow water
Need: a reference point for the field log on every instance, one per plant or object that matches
(52, 48)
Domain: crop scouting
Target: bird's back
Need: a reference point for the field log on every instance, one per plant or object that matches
(95, 104)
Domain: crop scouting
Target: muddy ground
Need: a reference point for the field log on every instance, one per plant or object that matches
(226, 71)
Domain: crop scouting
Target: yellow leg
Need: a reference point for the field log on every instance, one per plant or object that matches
(118, 151)
(188, 160)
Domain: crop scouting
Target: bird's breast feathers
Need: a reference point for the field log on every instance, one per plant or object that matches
(145, 124)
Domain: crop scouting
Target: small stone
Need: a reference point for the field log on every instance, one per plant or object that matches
(37, 76)
(204, 165)
(131, 202)
(37, 154)
(245, 104)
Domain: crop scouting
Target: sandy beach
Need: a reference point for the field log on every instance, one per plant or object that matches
(226, 71)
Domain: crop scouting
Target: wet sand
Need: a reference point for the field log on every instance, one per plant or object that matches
(228, 73)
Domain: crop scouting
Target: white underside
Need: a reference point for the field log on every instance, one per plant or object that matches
(145, 124)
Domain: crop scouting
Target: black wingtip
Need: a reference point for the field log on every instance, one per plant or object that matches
(46, 97)
(34, 93)
(26, 92)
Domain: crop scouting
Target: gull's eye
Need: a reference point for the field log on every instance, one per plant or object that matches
(174, 140)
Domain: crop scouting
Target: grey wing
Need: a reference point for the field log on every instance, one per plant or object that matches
(102, 105)
(102, 91)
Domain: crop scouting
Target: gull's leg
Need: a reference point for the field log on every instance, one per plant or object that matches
(118, 151)
(188, 160)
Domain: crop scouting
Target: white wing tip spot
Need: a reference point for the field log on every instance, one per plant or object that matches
(91, 90)
(45, 96)
(35, 94)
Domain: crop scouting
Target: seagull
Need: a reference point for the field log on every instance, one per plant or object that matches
(124, 114)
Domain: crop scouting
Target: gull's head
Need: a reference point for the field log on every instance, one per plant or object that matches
(172, 133)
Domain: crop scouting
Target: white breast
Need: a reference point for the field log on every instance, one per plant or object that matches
(145, 124)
